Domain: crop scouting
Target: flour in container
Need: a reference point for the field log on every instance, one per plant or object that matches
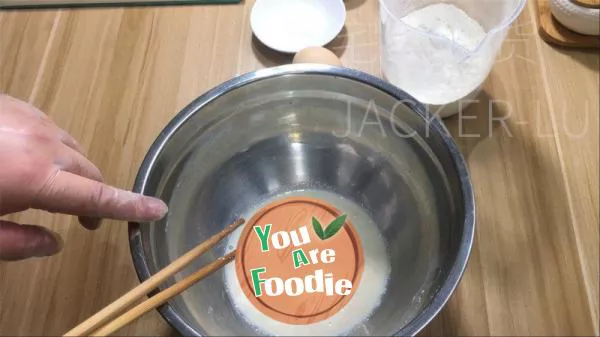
(434, 54)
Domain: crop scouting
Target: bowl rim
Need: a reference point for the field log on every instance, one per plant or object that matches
(455, 273)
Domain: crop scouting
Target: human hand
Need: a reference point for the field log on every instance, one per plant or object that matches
(42, 167)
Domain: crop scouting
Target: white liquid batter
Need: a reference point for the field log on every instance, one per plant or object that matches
(368, 294)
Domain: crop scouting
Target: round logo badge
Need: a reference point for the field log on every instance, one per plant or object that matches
(299, 260)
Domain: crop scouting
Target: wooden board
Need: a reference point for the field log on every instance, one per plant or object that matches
(114, 77)
(588, 3)
(553, 32)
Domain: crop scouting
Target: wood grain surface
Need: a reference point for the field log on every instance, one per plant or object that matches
(114, 77)
(588, 3)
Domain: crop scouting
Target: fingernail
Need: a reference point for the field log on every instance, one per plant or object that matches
(156, 208)
(50, 244)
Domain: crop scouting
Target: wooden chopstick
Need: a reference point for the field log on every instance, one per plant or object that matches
(163, 296)
(126, 301)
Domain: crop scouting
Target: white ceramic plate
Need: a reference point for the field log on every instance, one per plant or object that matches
(291, 25)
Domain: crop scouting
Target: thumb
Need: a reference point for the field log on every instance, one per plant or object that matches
(19, 242)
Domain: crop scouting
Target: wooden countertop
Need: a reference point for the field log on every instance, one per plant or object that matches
(114, 77)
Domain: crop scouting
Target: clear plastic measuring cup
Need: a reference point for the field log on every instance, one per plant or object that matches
(434, 57)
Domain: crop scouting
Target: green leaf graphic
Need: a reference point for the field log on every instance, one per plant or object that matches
(318, 229)
(335, 226)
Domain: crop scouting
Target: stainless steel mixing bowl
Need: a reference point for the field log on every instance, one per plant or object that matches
(286, 129)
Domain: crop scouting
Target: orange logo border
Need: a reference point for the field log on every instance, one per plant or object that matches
(245, 283)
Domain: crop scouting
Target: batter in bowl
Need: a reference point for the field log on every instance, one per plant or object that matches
(366, 296)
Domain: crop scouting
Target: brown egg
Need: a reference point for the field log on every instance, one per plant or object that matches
(317, 55)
